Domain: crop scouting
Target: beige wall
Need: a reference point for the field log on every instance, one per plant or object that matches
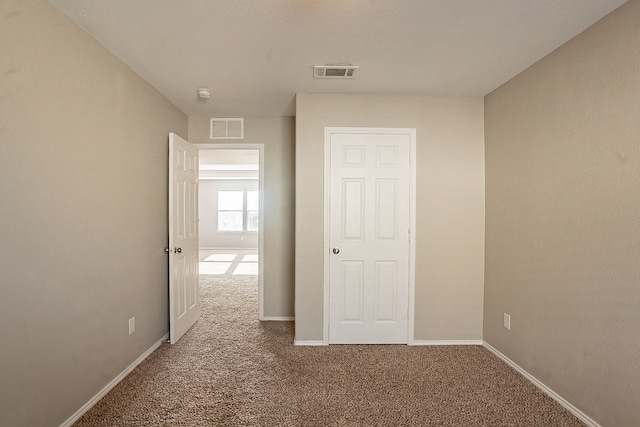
(83, 223)
(450, 206)
(563, 219)
(277, 134)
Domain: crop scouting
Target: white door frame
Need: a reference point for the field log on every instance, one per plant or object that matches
(260, 148)
(411, 132)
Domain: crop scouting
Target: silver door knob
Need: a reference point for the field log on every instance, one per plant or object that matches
(336, 251)
(178, 250)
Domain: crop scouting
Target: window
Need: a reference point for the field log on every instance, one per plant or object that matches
(236, 205)
(252, 210)
(230, 210)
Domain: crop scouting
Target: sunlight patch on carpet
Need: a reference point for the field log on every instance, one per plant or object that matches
(214, 267)
(220, 257)
(247, 268)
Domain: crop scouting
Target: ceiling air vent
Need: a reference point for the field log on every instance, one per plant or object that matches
(334, 71)
(227, 128)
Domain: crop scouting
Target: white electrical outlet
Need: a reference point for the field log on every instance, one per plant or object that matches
(132, 325)
(507, 321)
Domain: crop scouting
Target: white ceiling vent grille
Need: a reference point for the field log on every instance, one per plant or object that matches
(334, 71)
(227, 128)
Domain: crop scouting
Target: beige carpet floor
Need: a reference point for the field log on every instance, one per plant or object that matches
(232, 370)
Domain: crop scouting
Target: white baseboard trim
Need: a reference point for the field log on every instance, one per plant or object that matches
(415, 342)
(308, 342)
(80, 412)
(446, 342)
(277, 318)
(555, 396)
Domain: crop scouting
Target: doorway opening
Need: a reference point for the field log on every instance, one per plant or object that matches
(231, 212)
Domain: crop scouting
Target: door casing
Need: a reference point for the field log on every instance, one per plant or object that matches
(411, 132)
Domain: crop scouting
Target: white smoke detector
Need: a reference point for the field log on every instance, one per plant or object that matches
(204, 92)
(334, 71)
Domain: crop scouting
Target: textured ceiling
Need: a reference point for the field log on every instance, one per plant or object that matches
(255, 55)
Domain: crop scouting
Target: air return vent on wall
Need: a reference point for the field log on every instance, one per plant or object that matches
(227, 128)
(334, 71)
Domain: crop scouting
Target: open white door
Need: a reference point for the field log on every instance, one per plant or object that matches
(184, 291)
